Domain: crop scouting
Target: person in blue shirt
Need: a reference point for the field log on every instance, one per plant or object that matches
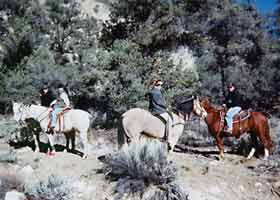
(157, 106)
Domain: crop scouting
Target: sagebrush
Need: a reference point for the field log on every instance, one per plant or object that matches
(142, 165)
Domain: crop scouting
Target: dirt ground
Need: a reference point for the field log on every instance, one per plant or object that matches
(203, 177)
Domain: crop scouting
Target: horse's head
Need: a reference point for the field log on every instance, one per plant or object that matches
(205, 103)
(198, 107)
(20, 111)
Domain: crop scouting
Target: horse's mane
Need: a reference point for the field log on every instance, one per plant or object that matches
(212, 107)
(182, 104)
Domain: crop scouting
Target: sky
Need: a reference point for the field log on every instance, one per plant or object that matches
(265, 5)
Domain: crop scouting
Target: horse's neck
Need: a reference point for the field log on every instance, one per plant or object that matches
(36, 111)
(213, 114)
(177, 118)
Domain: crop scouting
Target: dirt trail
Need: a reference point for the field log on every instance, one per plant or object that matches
(204, 178)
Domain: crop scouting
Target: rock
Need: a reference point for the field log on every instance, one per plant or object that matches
(24, 150)
(26, 172)
(242, 188)
(258, 184)
(14, 195)
(214, 190)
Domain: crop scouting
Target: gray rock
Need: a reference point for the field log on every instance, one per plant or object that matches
(14, 195)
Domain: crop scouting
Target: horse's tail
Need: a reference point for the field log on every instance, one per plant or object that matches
(121, 133)
(271, 146)
(90, 129)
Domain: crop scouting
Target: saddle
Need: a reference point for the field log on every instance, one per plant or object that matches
(242, 115)
(166, 132)
(237, 119)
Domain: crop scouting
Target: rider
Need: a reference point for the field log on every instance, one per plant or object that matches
(46, 96)
(59, 105)
(233, 104)
(157, 105)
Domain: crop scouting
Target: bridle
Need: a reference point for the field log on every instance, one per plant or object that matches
(198, 109)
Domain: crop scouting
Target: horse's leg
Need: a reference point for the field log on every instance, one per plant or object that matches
(265, 142)
(85, 143)
(220, 143)
(67, 141)
(255, 144)
(36, 141)
(73, 141)
(51, 142)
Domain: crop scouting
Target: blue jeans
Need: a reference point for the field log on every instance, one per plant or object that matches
(54, 116)
(230, 113)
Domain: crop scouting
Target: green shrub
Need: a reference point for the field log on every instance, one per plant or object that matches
(141, 165)
(9, 182)
(54, 188)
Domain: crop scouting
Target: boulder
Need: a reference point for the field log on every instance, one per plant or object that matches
(14, 195)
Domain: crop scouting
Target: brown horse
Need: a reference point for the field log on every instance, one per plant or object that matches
(256, 123)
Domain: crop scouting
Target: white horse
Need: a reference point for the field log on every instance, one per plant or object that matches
(137, 122)
(75, 120)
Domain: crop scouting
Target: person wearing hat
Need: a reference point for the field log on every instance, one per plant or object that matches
(46, 96)
(233, 104)
(157, 106)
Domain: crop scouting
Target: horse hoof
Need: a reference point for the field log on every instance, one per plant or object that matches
(221, 157)
(244, 160)
(51, 153)
(84, 156)
(37, 151)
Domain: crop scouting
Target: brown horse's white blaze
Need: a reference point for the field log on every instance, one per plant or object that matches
(256, 125)
(137, 123)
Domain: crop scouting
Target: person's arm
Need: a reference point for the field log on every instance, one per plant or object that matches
(66, 100)
(53, 102)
